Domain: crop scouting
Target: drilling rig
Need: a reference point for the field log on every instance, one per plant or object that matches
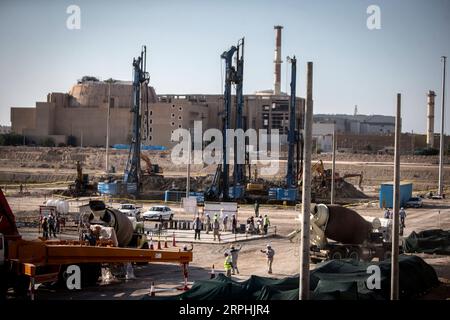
(290, 192)
(141, 79)
(233, 75)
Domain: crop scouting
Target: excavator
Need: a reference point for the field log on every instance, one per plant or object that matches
(152, 169)
(25, 263)
(324, 175)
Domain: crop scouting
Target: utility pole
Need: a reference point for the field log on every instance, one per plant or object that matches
(306, 192)
(107, 127)
(333, 167)
(441, 147)
(395, 226)
(188, 179)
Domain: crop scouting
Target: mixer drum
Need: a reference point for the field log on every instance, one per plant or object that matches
(123, 226)
(347, 226)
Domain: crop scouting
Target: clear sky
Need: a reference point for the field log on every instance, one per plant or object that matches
(352, 64)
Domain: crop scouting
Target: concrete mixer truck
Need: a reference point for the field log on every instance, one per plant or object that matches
(338, 232)
(124, 231)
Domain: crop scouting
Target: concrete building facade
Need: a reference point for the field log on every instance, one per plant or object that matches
(83, 113)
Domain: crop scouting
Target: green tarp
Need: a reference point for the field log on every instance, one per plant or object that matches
(435, 241)
(335, 280)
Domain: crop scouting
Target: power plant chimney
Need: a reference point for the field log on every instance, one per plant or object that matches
(277, 61)
(430, 122)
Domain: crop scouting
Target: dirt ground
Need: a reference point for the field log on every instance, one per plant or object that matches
(435, 214)
(49, 165)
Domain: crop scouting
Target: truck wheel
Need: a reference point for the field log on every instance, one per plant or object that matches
(21, 285)
(387, 255)
(336, 254)
(354, 254)
(90, 272)
(3, 284)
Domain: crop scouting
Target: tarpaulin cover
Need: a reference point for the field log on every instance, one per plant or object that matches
(331, 280)
(435, 241)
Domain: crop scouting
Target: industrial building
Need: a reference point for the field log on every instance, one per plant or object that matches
(358, 123)
(83, 112)
(5, 129)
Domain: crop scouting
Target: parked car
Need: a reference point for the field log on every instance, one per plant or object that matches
(155, 212)
(130, 210)
(415, 202)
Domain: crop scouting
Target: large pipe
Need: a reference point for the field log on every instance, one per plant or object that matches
(430, 118)
(306, 192)
(277, 61)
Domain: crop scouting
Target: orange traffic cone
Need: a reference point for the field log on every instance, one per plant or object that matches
(174, 244)
(151, 244)
(165, 243)
(212, 274)
(159, 244)
(152, 290)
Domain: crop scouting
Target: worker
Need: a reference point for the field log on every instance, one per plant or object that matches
(225, 223)
(387, 213)
(234, 224)
(52, 225)
(208, 223)
(216, 227)
(197, 227)
(266, 223)
(234, 252)
(227, 264)
(259, 225)
(256, 208)
(250, 228)
(270, 253)
(45, 228)
(402, 214)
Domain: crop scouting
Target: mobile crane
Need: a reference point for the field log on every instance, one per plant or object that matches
(24, 263)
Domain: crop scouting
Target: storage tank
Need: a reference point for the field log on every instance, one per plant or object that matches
(61, 206)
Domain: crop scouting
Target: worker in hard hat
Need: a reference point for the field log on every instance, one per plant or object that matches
(234, 252)
(227, 264)
(402, 214)
(270, 253)
(197, 227)
(216, 227)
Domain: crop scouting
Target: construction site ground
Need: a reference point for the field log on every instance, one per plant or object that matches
(167, 277)
(43, 170)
